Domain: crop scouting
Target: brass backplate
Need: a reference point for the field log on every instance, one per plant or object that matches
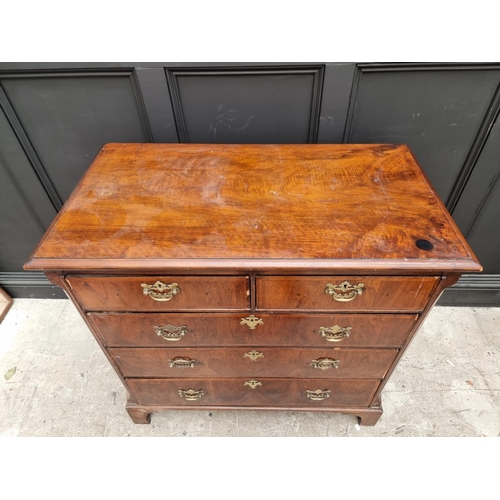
(160, 291)
(318, 394)
(252, 383)
(171, 332)
(253, 355)
(335, 333)
(344, 292)
(251, 321)
(191, 394)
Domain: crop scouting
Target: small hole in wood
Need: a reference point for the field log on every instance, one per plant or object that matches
(424, 244)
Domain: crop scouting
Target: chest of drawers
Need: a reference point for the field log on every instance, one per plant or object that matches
(285, 277)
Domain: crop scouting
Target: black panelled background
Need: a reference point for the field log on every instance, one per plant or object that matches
(54, 118)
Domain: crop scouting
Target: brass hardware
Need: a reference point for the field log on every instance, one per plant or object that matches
(335, 333)
(325, 363)
(345, 291)
(253, 355)
(252, 383)
(318, 394)
(191, 394)
(182, 363)
(161, 292)
(171, 332)
(251, 321)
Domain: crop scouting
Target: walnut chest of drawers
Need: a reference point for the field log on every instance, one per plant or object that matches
(285, 277)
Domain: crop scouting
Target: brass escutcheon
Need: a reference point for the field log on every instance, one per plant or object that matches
(335, 333)
(318, 394)
(161, 292)
(182, 362)
(251, 321)
(171, 332)
(252, 383)
(345, 291)
(325, 363)
(253, 355)
(191, 394)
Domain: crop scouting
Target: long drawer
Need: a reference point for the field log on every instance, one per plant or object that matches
(277, 392)
(221, 329)
(244, 362)
(161, 293)
(344, 293)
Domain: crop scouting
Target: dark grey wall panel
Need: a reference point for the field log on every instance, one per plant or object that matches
(15, 162)
(156, 97)
(437, 112)
(244, 106)
(480, 183)
(20, 229)
(337, 86)
(478, 210)
(484, 236)
(68, 117)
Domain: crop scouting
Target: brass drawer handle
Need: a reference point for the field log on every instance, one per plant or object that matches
(171, 332)
(252, 383)
(182, 362)
(161, 292)
(251, 321)
(325, 363)
(318, 394)
(335, 333)
(191, 394)
(253, 355)
(345, 291)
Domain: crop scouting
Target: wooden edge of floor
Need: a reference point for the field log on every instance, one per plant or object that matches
(5, 304)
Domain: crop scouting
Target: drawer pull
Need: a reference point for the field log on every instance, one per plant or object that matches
(345, 291)
(318, 394)
(191, 394)
(182, 363)
(252, 383)
(325, 363)
(171, 332)
(253, 355)
(161, 292)
(335, 333)
(251, 321)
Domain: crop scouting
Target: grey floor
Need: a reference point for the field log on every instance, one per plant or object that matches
(448, 384)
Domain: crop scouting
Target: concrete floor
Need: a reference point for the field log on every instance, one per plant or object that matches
(448, 384)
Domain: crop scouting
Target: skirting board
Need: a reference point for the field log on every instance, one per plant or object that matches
(30, 285)
(480, 290)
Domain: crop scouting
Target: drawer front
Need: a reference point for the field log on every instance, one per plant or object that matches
(161, 293)
(220, 329)
(361, 293)
(245, 362)
(277, 392)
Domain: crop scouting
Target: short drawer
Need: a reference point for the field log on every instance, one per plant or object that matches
(339, 293)
(262, 362)
(276, 392)
(161, 293)
(230, 329)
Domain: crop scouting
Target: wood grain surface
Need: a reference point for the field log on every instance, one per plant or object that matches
(273, 362)
(119, 293)
(222, 329)
(274, 392)
(378, 294)
(161, 202)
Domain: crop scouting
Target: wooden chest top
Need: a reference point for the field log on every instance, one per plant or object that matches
(334, 207)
